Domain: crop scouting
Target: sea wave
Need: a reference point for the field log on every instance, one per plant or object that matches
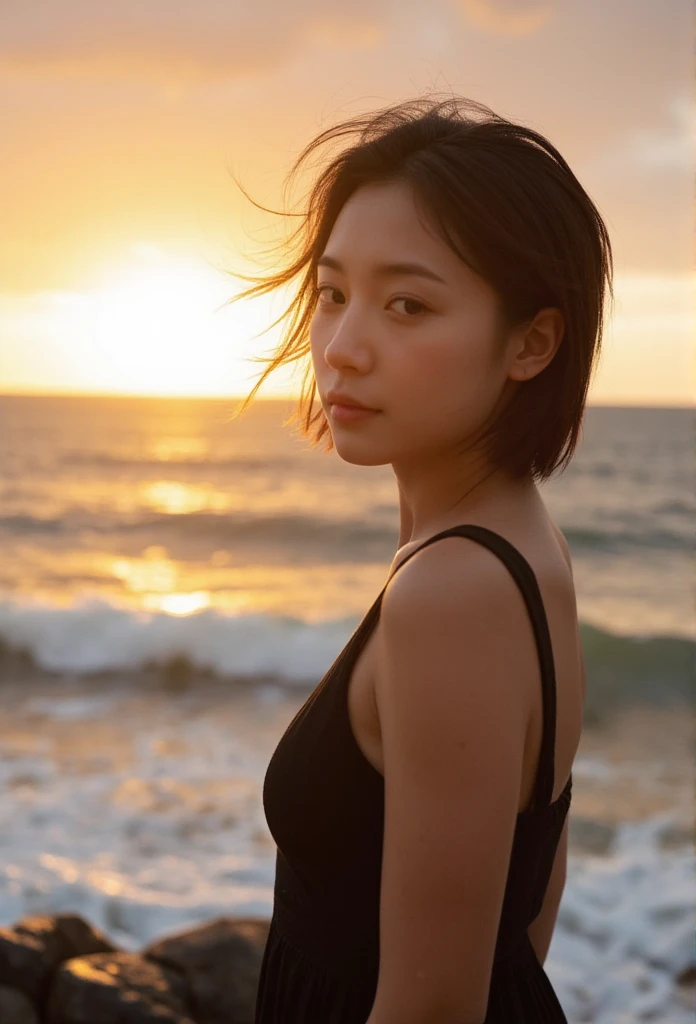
(342, 537)
(358, 538)
(115, 460)
(622, 536)
(93, 637)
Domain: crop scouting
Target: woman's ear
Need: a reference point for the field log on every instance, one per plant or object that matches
(540, 342)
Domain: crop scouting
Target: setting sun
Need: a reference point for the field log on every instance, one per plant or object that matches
(156, 324)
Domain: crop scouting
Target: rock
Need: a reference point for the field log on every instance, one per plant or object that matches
(34, 947)
(15, 1008)
(117, 988)
(221, 961)
(687, 977)
(58, 969)
(675, 836)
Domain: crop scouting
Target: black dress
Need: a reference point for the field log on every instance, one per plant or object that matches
(324, 804)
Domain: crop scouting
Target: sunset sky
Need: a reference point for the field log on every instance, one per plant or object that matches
(121, 123)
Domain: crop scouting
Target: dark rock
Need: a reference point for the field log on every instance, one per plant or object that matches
(117, 988)
(177, 674)
(687, 977)
(676, 836)
(15, 1008)
(221, 961)
(34, 947)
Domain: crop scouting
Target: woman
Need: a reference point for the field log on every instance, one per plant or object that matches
(452, 276)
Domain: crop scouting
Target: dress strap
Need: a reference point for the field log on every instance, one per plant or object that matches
(526, 580)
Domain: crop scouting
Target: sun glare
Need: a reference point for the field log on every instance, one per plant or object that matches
(155, 324)
(185, 604)
(163, 325)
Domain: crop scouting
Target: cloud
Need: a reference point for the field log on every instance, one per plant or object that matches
(669, 146)
(508, 17)
(163, 40)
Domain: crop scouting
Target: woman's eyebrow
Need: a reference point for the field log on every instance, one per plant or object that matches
(387, 269)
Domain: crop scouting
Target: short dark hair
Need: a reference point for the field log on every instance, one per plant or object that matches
(507, 203)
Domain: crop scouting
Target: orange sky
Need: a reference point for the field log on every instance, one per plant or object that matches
(119, 123)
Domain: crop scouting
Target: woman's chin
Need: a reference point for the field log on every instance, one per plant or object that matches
(359, 454)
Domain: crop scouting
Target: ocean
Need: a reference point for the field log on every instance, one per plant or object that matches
(172, 585)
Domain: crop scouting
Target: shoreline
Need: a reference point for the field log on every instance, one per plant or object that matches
(648, 752)
(138, 806)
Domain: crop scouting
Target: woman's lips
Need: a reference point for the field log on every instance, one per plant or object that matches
(351, 413)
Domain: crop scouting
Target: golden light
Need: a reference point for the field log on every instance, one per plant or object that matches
(183, 604)
(155, 579)
(166, 449)
(154, 323)
(152, 574)
(178, 498)
(157, 324)
(156, 582)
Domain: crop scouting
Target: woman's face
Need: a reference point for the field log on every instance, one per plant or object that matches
(424, 352)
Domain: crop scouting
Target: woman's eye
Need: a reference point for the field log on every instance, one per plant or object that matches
(400, 298)
(413, 302)
(325, 288)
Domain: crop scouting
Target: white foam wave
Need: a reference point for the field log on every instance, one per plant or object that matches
(95, 636)
(172, 834)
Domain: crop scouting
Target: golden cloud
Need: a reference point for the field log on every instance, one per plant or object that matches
(508, 17)
(158, 41)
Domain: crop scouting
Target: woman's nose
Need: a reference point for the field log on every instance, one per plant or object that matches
(348, 343)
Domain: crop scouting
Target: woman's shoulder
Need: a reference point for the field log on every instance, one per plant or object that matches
(537, 538)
